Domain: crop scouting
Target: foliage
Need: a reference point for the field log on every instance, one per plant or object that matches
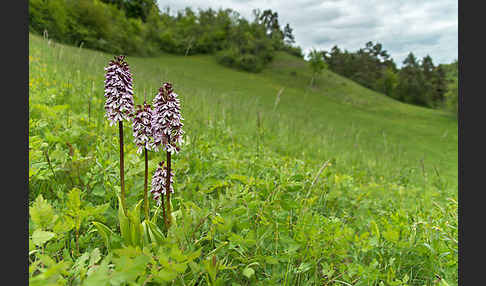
(420, 83)
(317, 64)
(251, 206)
(452, 79)
(138, 27)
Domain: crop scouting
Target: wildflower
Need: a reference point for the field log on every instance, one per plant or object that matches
(166, 120)
(118, 91)
(158, 183)
(166, 131)
(119, 105)
(142, 131)
(142, 127)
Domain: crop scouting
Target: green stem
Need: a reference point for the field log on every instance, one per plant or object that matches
(145, 194)
(163, 212)
(77, 241)
(168, 188)
(122, 167)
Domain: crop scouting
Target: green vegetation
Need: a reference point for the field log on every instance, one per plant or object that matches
(452, 95)
(138, 27)
(316, 63)
(417, 82)
(278, 183)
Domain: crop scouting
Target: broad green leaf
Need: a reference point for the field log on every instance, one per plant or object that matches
(74, 207)
(99, 276)
(124, 224)
(46, 260)
(248, 272)
(155, 233)
(105, 233)
(31, 245)
(33, 266)
(95, 256)
(135, 225)
(129, 269)
(63, 225)
(145, 233)
(52, 274)
(179, 267)
(176, 254)
(165, 275)
(42, 213)
(81, 261)
(444, 283)
(74, 200)
(39, 237)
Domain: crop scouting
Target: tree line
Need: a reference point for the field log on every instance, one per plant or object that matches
(417, 82)
(139, 27)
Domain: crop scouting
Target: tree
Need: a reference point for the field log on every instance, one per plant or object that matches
(427, 67)
(388, 82)
(317, 64)
(139, 8)
(117, 3)
(451, 96)
(270, 20)
(439, 84)
(366, 66)
(287, 35)
(411, 86)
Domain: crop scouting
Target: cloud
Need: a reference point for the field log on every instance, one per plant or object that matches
(422, 27)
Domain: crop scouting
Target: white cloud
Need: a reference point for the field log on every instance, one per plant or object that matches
(422, 27)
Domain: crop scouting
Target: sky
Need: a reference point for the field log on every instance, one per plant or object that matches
(422, 27)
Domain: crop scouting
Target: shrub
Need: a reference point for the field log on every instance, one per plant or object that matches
(227, 57)
(250, 63)
(51, 16)
(102, 25)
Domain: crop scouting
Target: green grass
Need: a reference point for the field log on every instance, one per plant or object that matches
(384, 210)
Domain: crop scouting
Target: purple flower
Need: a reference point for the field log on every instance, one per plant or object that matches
(166, 120)
(142, 127)
(158, 183)
(118, 91)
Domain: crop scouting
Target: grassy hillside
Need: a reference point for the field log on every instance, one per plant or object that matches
(339, 119)
(384, 210)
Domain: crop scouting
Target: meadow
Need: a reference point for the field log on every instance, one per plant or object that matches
(277, 183)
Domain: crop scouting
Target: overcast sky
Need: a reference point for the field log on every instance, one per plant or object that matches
(423, 27)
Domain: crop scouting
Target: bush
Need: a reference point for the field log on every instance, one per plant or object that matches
(227, 57)
(250, 63)
(233, 58)
(51, 16)
(100, 25)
